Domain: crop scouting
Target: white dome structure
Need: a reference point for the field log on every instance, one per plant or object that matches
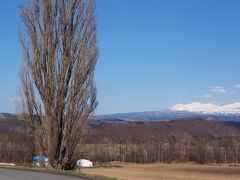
(84, 163)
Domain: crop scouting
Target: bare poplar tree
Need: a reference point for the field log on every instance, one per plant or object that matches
(57, 77)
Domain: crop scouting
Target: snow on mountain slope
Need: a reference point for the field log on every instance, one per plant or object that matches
(208, 108)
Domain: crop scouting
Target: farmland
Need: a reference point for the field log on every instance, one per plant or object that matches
(175, 171)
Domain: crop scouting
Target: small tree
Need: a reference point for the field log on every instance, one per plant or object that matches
(57, 86)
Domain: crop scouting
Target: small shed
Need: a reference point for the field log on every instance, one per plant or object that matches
(84, 163)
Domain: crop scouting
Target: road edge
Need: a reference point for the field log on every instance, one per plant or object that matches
(64, 173)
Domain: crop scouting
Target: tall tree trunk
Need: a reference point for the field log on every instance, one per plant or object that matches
(60, 54)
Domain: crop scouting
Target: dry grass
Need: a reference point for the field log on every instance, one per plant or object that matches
(179, 171)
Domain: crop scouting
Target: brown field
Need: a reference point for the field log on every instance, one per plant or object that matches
(178, 171)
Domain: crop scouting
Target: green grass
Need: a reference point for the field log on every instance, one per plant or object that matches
(68, 173)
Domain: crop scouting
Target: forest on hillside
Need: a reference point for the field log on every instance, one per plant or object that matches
(198, 141)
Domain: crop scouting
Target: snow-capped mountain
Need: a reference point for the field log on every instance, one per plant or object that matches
(208, 108)
(196, 110)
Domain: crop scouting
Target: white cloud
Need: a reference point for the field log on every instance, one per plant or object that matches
(208, 107)
(237, 86)
(218, 89)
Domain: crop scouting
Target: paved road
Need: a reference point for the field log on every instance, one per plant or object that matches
(7, 174)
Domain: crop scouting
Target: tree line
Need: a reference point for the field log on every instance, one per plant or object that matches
(169, 149)
(16, 148)
(20, 149)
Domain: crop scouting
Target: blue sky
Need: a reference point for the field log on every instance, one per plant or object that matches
(154, 54)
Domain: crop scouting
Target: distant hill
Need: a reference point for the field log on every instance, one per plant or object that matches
(8, 116)
(10, 124)
(2, 116)
(178, 112)
(121, 129)
(196, 110)
(155, 125)
(171, 115)
(117, 129)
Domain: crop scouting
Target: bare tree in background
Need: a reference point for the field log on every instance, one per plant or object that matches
(57, 87)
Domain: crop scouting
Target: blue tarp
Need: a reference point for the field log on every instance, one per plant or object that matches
(39, 159)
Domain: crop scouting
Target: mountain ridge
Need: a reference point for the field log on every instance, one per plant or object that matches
(195, 110)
